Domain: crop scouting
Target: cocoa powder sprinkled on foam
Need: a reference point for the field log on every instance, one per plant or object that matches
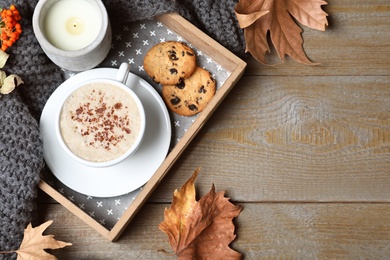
(101, 121)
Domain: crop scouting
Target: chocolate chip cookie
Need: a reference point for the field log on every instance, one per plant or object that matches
(191, 95)
(170, 62)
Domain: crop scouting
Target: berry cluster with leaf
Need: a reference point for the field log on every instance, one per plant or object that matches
(10, 26)
(10, 30)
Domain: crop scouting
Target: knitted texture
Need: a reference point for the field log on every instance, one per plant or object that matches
(21, 156)
(217, 19)
(20, 164)
(214, 17)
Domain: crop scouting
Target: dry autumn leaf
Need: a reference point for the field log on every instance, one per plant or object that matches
(200, 229)
(34, 243)
(258, 17)
(3, 58)
(9, 83)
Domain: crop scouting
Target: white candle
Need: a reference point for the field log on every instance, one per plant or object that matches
(72, 24)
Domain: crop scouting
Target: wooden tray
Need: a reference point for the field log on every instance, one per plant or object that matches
(208, 47)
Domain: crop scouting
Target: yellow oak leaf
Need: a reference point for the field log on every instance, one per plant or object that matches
(34, 243)
(276, 17)
(200, 229)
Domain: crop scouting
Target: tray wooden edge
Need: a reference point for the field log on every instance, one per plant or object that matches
(44, 186)
(221, 55)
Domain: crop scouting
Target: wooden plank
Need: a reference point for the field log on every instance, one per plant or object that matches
(355, 43)
(295, 139)
(314, 231)
(282, 231)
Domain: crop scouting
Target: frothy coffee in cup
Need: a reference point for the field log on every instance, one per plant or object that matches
(100, 121)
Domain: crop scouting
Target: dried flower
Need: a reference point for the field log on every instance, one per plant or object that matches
(9, 83)
(3, 58)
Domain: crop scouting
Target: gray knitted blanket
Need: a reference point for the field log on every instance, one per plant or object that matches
(21, 156)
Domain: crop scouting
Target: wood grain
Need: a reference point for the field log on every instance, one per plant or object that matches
(297, 139)
(264, 231)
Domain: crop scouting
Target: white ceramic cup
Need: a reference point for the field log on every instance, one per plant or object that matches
(99, 159)
(75, 60)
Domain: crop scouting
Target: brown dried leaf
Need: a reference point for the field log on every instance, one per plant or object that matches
(276, 17)
(34, 243)
(200, 229)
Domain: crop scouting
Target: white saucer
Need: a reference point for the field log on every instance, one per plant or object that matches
(126, 176)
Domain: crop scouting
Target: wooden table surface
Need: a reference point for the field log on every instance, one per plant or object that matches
(304, 149)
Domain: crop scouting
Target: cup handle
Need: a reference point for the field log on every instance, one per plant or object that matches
(123, 73)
